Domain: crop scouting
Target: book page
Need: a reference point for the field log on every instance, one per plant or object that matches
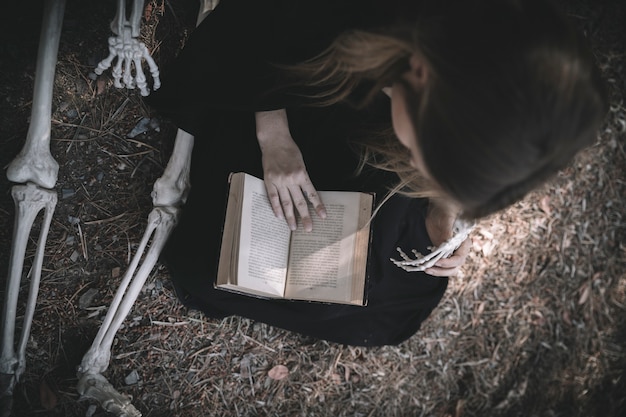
(321, 264)
(226, 268)
(263, 242)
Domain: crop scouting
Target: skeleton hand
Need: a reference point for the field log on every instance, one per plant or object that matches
(460, 230)
(129, 51)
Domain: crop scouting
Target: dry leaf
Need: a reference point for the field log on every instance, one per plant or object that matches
(460, 407)
(585, 295)
(244, 368)
(479, 312)
(544, 205)
(278, 372)
(46, 396)
(100, 86)
(566, 317)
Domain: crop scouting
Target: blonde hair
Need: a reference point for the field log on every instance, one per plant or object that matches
(377, 60)
(352, 58)
(512, 95)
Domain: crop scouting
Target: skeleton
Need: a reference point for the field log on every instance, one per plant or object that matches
(35, 172)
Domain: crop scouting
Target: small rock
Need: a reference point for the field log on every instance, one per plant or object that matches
(155, 125)
(67, 193)
(132, 378)
(141, 127)
(86, 299)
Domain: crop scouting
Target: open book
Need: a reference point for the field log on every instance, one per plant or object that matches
(261, 256)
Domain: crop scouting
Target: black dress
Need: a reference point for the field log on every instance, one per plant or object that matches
(220, 78)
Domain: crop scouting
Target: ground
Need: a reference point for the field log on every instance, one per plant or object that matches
(533, 326)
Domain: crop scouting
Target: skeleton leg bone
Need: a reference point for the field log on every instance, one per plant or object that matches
(169, 192)
(34, 163)
(29, 201)
(34, 167)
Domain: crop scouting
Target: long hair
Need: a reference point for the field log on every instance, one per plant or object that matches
(512, 95)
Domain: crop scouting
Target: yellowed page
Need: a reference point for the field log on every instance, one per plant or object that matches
(263, 242)
(226, 270)
(325, 263)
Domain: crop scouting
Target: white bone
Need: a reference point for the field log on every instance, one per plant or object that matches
(120, 20)
(173, 186)
(129, 52)
(29, 200)
(461, 231)
(96, 387)
(34, 163)
(206, 7)
(35, 167)
(169, 192)
(37, 171)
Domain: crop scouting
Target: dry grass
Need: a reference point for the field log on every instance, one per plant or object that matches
(534, 326)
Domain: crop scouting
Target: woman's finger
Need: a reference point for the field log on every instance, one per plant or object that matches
(274, 198)
(287, 207)
(302, 207)
(311, 194)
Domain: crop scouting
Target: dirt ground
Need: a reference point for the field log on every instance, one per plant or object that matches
(535, 325)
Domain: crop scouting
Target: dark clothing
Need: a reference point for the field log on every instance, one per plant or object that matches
(232, 48)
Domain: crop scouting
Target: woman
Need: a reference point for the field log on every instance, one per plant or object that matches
(488, 99)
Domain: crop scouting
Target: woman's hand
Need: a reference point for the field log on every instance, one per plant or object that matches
(286, 179)
(439, 221)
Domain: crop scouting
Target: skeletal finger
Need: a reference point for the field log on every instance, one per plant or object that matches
(442, 272)
(140, 78)
(128, 76)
